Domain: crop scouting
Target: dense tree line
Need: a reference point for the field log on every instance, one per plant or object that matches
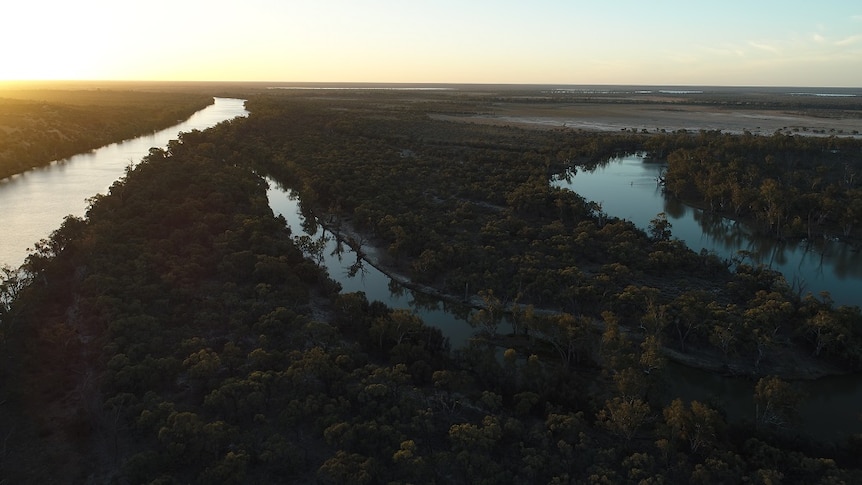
(467, 207)
(177, 334)
(40, 126)
(790, 186)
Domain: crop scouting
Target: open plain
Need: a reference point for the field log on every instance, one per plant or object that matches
(658, 117)
(760, 111)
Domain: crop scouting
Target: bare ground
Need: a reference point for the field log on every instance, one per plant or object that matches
(657, 117)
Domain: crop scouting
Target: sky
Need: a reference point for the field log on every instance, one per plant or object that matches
(657, 42)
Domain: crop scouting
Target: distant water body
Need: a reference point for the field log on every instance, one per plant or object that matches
(675, 90)
(378, 88)
(815, 92)
(35, 202)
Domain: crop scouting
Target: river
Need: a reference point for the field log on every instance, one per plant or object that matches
(626, 187)
(829, 412)
(369, 280)
(36, 202)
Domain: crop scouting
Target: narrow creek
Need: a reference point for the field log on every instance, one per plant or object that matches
(376, 285)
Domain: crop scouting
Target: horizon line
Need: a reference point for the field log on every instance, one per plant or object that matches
(415, 83)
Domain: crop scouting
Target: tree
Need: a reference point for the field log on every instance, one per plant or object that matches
(764, 318)
(570, 336)
(395, 328)
(12, 281)
(624, 417)
(523, 319)
(488, 317)
(474, 448)
(651, 358)
(659, 228)
(775, 402)
(346, 467)
(725, 325)
(615, 348)
(851, 214)
(203, 364)
(772, 199)
(688, 312)
(827, 329)
(697, 424)
(312, 248)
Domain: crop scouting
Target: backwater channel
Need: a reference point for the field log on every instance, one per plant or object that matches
(627, 187)
(831, 410)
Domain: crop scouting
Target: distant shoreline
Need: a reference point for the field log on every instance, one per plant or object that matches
(670, 89)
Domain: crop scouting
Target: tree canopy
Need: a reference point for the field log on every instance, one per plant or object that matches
(179, 334)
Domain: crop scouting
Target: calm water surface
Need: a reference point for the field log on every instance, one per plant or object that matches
(35, 202)
(376, 285)
(626, 188)
(830, 412)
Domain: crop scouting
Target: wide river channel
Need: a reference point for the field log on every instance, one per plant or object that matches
(35, 203)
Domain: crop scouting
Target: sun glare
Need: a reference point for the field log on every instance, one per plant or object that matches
(33, 55)
(337, 40)
(70, 43)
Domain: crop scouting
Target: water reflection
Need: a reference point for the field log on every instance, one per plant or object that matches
(356, 274)
(35, 202)
(627, 188)
(830, 414)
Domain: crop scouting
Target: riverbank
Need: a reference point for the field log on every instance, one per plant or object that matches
(35, 202)
(832, 233)
(40, 126)
(787, 363)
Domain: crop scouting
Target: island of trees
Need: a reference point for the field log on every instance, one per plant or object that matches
(179, 334)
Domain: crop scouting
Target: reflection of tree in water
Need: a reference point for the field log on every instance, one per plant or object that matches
(420, 301)
(821, 258)
(674, 208)
(395, 289)
(358, 267)
(309, 222)
(312, 248)
(730, 236)
(846, 259)
(566, 175)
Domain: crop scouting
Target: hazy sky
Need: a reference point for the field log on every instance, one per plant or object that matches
(752, 42)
